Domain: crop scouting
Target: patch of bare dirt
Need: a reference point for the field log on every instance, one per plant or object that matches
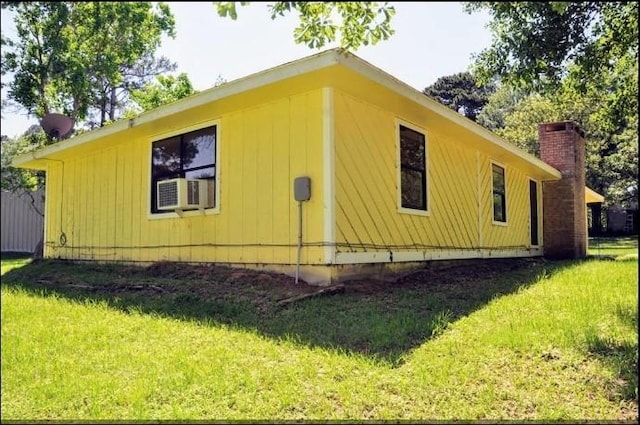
(216, 281)
(267, 289)
(282, 286)
(445, 273)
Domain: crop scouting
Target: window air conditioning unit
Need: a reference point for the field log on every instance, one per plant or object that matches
(180, 194)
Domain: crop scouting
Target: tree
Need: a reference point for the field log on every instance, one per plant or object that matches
(578, 61)
(611, 154)
(360, 23)
(165, 89)
(80, 59)
(116, 99)
(535, 42)
(620, 167)
(20, 181)
(521, 123)
(461, 93)
(73, 57)
(499, 104)
(124, 36)
(35, 58)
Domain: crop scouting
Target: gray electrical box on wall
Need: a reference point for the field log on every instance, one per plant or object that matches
(302, 188)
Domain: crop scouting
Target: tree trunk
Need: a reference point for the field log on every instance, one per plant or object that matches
(103, 109)
(112, 104)
(38, 252)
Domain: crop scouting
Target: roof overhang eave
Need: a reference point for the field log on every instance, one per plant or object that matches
(545, 171)
(592, 197)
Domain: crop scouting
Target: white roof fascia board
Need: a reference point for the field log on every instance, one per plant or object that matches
(278, 73)
(262, 78)
(70, 143)
(392, 83)
(592, 196)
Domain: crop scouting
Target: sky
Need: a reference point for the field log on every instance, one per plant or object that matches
(431, 40)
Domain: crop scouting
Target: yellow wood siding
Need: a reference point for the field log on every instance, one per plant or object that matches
(98, 193)
(515, 233)
(458, 186)
(100, 200)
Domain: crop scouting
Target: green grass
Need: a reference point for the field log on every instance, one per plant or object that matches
(12, 263)
(546, 341)
(619, 246)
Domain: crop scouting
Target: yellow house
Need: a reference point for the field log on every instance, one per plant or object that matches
(325, 165)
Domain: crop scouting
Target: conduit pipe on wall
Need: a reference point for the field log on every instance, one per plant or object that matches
(299, 240)
(301, 193)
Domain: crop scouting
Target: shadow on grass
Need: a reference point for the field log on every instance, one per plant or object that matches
(619, 356)
(381, 320)
(13, 255)
(620, 242)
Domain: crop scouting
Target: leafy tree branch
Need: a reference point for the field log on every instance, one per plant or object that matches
(355, 23)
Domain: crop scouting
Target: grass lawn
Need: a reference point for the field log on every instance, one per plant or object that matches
(614, 246)
(13, 263)
(506, 340)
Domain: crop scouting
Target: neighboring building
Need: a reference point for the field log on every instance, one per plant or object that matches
(22, 221)
(395, 179)
(621, 220)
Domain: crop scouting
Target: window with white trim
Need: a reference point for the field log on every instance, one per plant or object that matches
(499, 194)
(190, 155)
(413, 170)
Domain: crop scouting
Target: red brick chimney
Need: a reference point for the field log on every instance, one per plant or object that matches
(564, 210)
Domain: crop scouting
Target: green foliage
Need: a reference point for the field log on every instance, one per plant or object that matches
(618, 168)
(611, 162)
(165, 89)
(73, 57)
(581, 58)
(461, 93)
(228, 9)
(499, 104)
(36, 57)
(533, 42)
(356, 23)
(5, 44)
(17, 180)
(521, 123)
